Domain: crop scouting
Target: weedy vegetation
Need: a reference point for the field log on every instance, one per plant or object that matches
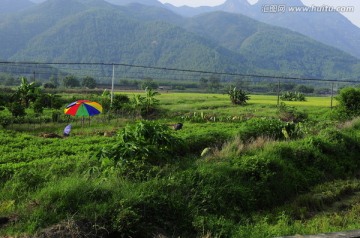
(254, 169)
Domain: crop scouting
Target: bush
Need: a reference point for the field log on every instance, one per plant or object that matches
(140, 148)
(38, 106)
(5, 121)
(17, 110)
(304, 89)
(88, 82)
(290, 114)
(4, 99)
(49, 85)
(263, 127)
(349, 101)
(119, 101)
(196, 144)
(292, 96)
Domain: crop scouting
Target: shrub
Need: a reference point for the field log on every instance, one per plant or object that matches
(119, 101)
(88, 82)
(349, 101)
(49, 85)
(17, 110)
(38, 106)
(263, 127)
(304, 89)
(195, 144)
(290, 114)
(5, 121)
(292, 96)
(4, 99)
(140, 148)
(71, 81)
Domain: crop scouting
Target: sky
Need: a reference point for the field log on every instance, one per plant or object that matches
(354, 17)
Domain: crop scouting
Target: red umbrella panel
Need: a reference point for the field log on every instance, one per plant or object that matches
(83, 108)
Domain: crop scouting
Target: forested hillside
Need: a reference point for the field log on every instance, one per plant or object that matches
(97, 31)
(11, 6)
(331, 28)
(273, 48)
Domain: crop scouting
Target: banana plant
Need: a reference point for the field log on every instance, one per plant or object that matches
(26, 92)
(150, 101)
(238, 96)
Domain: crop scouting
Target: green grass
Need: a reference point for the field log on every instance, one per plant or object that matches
(255, 188)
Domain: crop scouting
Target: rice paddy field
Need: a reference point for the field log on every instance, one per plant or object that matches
(259, 105)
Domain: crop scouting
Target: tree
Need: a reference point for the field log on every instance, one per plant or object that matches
(7, 79)
(349, 101)
(119, 101)
(203, 83)
(287, 86)
(54, 80)
(10, 81)
(49, 85)
(105, 100)
(238, 96)
(48, 100)
(304, 89)
(71, 81)
(241, 83)
(88, 82)
(38, 106)
(17, 110)
(214, 83)
(4, 100)
(149, 83)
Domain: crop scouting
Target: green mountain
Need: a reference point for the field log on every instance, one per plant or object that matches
(328, 27)
(18, 30)
(109, 36)
(99, 32)
(273, 48)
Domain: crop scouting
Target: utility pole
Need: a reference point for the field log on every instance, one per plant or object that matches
(278, 94)
(112, 84)
(332, 95)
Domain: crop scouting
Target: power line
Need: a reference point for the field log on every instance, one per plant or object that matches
(181, 70)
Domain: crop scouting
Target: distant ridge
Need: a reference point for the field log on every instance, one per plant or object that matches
(97, 31)
(11, 6)
(330, 28)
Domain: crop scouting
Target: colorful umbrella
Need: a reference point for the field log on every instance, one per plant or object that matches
(83, 108)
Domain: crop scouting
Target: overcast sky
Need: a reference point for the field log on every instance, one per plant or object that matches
(353, 16)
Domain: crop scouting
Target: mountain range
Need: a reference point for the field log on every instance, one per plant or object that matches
(11, 6)
(152, 34)
(330, 28)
